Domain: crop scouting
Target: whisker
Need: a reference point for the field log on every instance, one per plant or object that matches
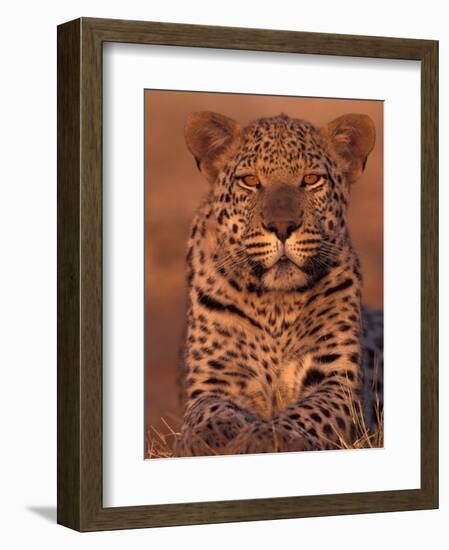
(234, 260)
(321, 261)
(332, 246)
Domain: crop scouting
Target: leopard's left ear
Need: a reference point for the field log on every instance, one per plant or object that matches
(353, 137)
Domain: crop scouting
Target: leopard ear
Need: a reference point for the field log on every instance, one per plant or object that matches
(353, 137)
(211, 138)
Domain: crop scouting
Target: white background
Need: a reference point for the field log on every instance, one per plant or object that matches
(129, 480)
(28, 274)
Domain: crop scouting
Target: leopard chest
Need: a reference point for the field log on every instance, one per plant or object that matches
(278, 382)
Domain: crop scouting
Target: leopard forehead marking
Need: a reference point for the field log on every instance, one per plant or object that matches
(281, 147)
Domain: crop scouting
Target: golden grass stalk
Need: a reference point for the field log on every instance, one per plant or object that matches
(160, 444)
(365, 438)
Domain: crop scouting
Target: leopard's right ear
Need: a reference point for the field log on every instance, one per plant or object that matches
(211, 138)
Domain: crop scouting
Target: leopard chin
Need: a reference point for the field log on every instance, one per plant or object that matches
(284, 275)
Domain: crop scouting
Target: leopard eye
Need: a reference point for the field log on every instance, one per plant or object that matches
(313, 180)
(250, 181)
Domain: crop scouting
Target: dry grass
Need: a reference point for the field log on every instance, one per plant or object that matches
(160, 444)
(365, 438)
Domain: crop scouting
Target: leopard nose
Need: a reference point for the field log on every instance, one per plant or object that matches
(281, 228)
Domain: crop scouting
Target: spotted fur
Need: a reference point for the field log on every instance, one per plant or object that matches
(276, 348)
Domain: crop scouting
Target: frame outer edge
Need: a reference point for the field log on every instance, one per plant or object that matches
(91, 279)
(244, 38)
(429, 271)
(68, 262)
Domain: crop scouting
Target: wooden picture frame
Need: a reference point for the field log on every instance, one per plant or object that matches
(80, 503)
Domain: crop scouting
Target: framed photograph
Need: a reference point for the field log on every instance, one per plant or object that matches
(247, 274)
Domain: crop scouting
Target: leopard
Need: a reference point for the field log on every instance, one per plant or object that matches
(278, 349)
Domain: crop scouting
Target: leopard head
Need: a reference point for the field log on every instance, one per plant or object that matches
(280, 191)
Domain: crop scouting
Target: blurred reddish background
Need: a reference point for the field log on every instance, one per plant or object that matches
(173, 189)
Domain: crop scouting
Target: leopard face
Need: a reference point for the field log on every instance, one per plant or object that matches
(280, 192)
